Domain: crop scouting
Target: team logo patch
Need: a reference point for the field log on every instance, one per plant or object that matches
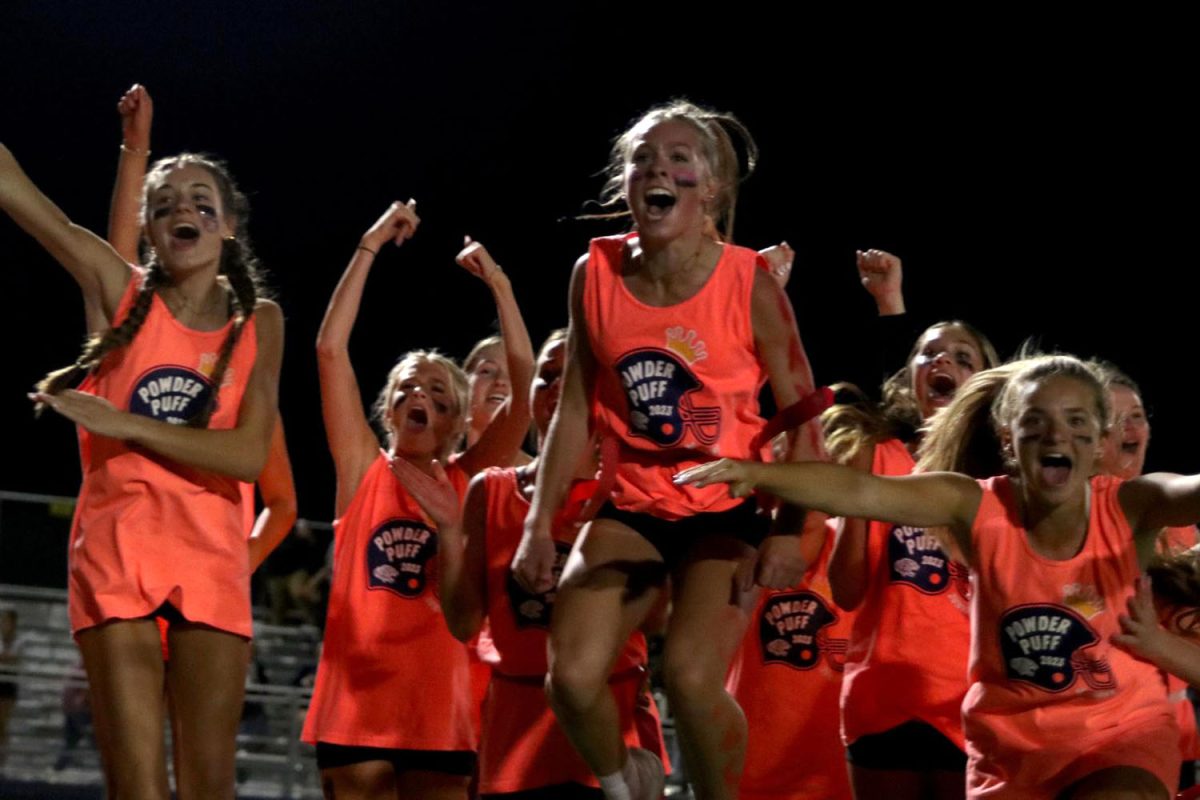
(918, 560)
(171, 394)
(658, 383)
(533, 610)
(398, 555)
(1048, 646)
(792, 631)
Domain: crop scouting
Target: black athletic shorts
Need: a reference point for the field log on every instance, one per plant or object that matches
(672, 538)
(451, 762)
(914, 746)
(562, 791)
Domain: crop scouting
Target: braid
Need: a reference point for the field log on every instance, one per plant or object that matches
(237, 267)
(101, 344)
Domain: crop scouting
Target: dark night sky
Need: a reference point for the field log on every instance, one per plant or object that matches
(1025, 171)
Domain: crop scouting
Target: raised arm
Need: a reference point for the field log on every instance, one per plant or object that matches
(503, 436)
(124, 212)
(102, 275)
(881, 275)
(239, 452)
(932, 499)
(352, 443)
(566, 443)
(278, 490)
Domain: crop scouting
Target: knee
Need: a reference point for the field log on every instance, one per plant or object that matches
(691, 681)
(574, 685)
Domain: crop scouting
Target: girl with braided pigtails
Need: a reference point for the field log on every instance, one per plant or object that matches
(176, 406)
(275, 483)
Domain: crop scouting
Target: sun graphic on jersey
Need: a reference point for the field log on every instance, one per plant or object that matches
(1084, 598)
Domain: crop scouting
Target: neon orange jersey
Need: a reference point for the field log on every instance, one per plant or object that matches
(148, 530)
(1173, 540)
(518, 621)
(787, 678)
(677, 385)
(523, 746)
(1051, 700)
(911, 635)
(390, 675)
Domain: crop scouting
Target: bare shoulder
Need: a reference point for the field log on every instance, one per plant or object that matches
(269, 314)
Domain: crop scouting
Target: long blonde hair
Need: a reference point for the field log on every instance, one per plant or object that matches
(858, 423)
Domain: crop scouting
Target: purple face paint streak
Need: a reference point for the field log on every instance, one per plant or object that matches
(210, 224)
(688, 180)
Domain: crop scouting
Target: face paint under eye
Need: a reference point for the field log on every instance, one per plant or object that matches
(687, 179)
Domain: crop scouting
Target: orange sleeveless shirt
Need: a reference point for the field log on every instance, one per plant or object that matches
(911, 636)
(148, 530)
(391, 675)
(677, 385)
(522, 746)
(787, 678)
(1051, 700)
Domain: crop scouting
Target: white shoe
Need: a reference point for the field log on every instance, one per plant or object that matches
(644, 775)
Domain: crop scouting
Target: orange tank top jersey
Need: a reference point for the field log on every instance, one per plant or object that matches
(147, 529)
(1173, 540)
(911, 636)
(523, 747)
(677, 385)
(1051, 701)
(390, 674)
(787, 678)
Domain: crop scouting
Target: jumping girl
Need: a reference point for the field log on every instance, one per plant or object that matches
(177, 405)
(1054, 709)
(391, 711)
(671, 336)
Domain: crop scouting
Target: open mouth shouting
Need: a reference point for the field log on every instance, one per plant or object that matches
(942, 387)
(659, 202)
(184, 234)
(1055, 469)
(417, 419)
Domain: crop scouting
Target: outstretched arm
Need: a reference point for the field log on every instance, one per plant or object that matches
(566, 443)
(278, 490)
(1156, 501)
(102, 275)
(502, 439)
(124, 212)
(351, 441)
(932, 499)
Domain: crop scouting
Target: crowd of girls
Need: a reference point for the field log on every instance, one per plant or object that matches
(992, 613)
